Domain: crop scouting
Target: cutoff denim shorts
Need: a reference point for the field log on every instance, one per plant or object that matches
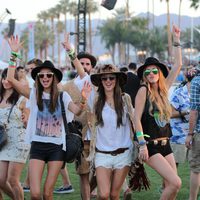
(114, 162)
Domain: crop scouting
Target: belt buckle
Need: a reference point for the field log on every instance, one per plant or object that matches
(155, 142)
(113, 154)
(163, 142)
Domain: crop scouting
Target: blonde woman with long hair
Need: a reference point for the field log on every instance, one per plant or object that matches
(152, 115)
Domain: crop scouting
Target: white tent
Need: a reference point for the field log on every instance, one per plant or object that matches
(3, 64)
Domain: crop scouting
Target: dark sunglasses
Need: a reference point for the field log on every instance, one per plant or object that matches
(88, 64)
(148, 71)
(48, 75)
(105, 78)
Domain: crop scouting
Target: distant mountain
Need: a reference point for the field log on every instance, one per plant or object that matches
(98, 45)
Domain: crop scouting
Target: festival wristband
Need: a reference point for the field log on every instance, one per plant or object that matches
(17, 55)
(12, 64)
(140, 134)
(142, 142)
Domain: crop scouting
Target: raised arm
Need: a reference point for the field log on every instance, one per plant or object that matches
(72, 55)
(15, 46)
(177, 57)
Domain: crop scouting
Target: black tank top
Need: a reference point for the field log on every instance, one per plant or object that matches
(151, 128)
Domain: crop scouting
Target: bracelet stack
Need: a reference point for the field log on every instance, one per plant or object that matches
(177, 44)
(13, 59)
(72, 55)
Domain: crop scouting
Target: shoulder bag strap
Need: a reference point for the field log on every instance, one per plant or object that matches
(63, 113)
(10, 112)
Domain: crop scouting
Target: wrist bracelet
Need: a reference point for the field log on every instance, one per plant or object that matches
(142, 142)
(72, 55)
(16, 54)
(191, 134)
(176, 44)
(11, 63)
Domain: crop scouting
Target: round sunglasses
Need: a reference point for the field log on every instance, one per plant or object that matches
(148, 71)
(48, 75)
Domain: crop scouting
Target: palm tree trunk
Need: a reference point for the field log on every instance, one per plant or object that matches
(90, 32)
(169, 33)
(179, 14)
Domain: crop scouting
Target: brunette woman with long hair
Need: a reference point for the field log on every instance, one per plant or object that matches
(14, 154)
(45, 128)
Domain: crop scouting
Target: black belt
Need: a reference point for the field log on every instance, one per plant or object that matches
(113, 153)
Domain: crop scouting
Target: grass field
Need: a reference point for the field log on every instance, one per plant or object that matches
(152, 194)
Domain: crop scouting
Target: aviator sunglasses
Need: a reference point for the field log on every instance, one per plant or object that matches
(105, 78)
(148, 71)
(48, 75)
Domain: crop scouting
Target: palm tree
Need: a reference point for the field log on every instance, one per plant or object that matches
(168, 32)
(73, 10)
(91, 8)
(64, 10)
(195, 4)
(179, 15)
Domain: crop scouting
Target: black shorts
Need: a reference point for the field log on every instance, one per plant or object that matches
(46, 151)
(163, 150)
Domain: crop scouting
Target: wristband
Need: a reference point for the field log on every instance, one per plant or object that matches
(72, 55)
(17, 55)
(139, 134)
(191, 134)
(11, 63)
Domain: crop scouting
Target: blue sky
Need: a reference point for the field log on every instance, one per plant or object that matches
(27, 10)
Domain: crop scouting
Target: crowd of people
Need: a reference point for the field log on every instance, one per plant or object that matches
(116, 107)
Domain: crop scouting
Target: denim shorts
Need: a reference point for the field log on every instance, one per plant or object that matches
(118, 161)
(46, 151)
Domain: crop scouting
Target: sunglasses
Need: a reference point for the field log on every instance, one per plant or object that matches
(88, 64)
(105, 78)
(148, 71)
(48, 75)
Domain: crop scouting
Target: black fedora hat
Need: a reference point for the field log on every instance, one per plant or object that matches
(49, 65)
(84, 54)
(152, 61)
(108, 69)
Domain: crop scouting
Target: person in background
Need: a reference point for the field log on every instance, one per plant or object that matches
(84, 63)
(179, 122)
(192, 141)
(152, 116)
(66, 187)
(14, 154)
(45, 129)
(132, 67)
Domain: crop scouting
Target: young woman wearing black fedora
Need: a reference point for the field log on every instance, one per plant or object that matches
(45, 129)
(152, 115)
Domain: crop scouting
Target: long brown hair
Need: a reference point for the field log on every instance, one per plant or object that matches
(159, 98)
(118, 103)
(54, 93)
(13, 98)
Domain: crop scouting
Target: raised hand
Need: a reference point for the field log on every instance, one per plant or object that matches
(176, 33)
(85, 92)
(14, 43)
(66, 44)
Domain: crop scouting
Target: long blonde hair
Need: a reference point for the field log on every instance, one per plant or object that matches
(159, 98)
